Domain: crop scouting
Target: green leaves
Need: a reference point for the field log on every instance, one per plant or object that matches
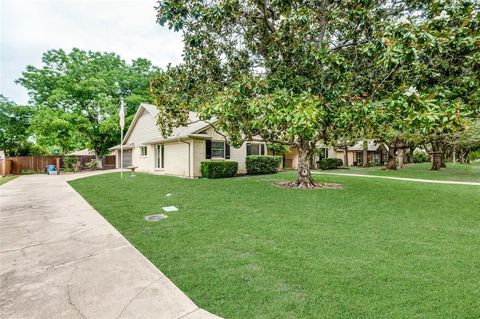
(76, 97)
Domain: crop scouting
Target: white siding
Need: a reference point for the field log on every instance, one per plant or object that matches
(176, 159)
(236, 154)
(144, 130)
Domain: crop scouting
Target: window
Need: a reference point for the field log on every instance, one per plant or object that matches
(376, 158)
(255, 149)
(159, 156)
(323, 152)
(143, 151)
(218, 149)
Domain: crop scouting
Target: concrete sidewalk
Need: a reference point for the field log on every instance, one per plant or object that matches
(419, 180)
(59, 258)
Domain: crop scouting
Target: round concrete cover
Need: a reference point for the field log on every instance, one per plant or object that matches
(155, 218)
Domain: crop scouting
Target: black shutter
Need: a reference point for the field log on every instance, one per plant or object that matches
(262, 149)
(249, 151)
(227, 151)
(208, 149)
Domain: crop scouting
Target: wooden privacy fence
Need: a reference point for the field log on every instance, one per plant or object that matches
(5, 167)
(37, 164)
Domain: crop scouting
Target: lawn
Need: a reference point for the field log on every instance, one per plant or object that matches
(242, 248)
(453, 172)
(6, 179)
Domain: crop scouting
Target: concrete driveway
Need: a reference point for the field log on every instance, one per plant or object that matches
(59, 258)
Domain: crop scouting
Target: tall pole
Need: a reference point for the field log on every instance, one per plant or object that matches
(122, 124)
(121, 153)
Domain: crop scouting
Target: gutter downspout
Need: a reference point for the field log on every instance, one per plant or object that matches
(189, 170)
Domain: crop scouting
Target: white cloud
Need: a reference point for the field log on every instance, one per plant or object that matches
(28, 28)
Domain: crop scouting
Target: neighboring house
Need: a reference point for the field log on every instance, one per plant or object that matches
(290, 159)
(182, 152)
(377, 154)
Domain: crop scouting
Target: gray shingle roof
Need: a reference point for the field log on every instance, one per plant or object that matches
(179, 132)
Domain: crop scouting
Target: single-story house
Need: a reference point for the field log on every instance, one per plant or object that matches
(181, 153)
(377, 153)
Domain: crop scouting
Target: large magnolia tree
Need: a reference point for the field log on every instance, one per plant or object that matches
(283, 71)
(290, 72)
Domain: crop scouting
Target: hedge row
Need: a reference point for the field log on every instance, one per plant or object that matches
(260, 164)
(218, 169)
(330, 163)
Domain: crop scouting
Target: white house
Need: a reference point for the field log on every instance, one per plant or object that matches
(181, 153)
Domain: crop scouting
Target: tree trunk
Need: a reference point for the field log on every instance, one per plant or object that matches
(313, 161)
(365, 154)
(345, 155)
(99, 162)
(461, 156)
(436, 157)
(401, 157)
(441, 151)
(392, 162)
(304, 178)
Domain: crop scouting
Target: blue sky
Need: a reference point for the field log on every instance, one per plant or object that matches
(30, 27)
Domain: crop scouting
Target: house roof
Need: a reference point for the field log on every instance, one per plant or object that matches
(84, 152)
(372, 146)
(125, 147)
(189, 131)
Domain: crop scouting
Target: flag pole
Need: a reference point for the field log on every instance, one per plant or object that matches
(121, 153)
(122, 124)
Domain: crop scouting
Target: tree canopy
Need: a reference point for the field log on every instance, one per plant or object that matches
(75, 97)
(14, 133)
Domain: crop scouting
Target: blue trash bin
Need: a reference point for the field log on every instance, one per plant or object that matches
(50, 169)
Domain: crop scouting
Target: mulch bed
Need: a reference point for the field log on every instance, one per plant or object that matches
(293, 185)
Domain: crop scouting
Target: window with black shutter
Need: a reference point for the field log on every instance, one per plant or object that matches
(262, 149)
(208, 149)
(227, 151)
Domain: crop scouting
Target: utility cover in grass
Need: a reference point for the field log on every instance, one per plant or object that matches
(170, 209)
(155, 218)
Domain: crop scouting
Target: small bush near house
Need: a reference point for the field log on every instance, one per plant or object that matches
(92, 164)
(68, 162)
(261, 164)
(77, 166)
(330, 163)
(420, 157)
(218, 169)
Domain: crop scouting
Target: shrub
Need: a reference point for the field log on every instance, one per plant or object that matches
(77, 166)
(330, 163)
(473, 156)
(218, 169)
(92, 164)
(68, 162)
(262, 164)
(420, 157)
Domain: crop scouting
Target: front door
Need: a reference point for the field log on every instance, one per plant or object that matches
(127, 158)
(159, 157)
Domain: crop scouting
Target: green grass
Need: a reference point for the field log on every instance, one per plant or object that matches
(453, 172)
(6, 179)
(242, 248)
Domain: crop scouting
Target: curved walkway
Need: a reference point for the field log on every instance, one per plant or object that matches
(59, 258)
(434, 181)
